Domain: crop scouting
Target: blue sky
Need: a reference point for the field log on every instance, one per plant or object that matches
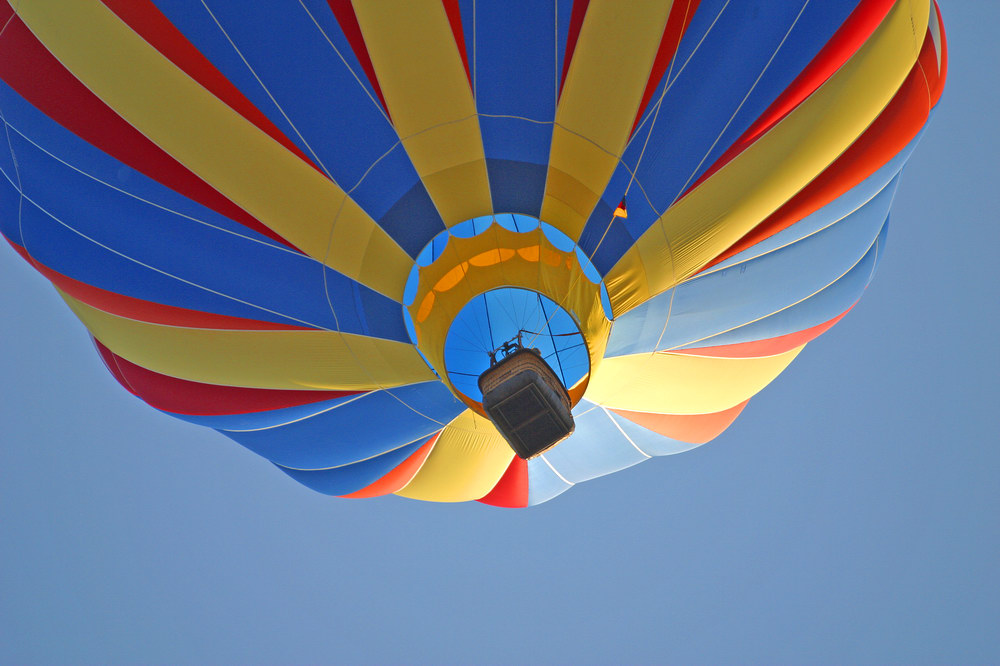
(848, 516)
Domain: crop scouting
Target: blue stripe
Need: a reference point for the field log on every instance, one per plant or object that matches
(351, 478)
(600, 445)
(126, 245)
(515, 86)
(643, 325)
(10, 201)
(411, 219)
(144, 252)
(304, 73)
(503, 35)
(724, 299)
(515, 60)
(322, 89)
(713, 98)
(516, 187)
(380, 421)
(66, 146)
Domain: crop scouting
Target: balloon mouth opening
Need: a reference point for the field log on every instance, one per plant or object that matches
(488, 279)
(478, 333)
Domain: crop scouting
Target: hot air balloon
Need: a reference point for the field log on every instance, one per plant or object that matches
(317, 227)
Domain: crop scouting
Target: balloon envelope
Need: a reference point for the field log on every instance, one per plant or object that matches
(306, 224)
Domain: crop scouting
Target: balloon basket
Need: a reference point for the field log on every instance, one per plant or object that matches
(526, 402)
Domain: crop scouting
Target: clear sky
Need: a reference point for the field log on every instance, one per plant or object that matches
(850, 515)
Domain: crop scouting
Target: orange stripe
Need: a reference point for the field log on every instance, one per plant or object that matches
(691, 428)
(399, 476)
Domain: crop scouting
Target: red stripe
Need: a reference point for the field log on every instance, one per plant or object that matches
(575, 25)
(855, 31)
(182, 396)
(895, 127)
(677, 23)
(28, 68)
(511, 490)
(343, 11)
(768, 347)
(691, 428)
(150, 24)
(110, 362)
(401, 475)
(148, 311)
(455, 20)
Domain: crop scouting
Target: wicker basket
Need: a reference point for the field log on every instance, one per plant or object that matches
(527, 403)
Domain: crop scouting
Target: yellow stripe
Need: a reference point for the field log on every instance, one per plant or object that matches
(257, 359)
(680, 384)
(741, 194)
(209, 138)
(426, 89)
(465, 464)
(607, 76)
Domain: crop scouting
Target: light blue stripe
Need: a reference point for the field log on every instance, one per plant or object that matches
(596, 448)
(715, 302)
(836, 210)
(813, 311)
(543, 483)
